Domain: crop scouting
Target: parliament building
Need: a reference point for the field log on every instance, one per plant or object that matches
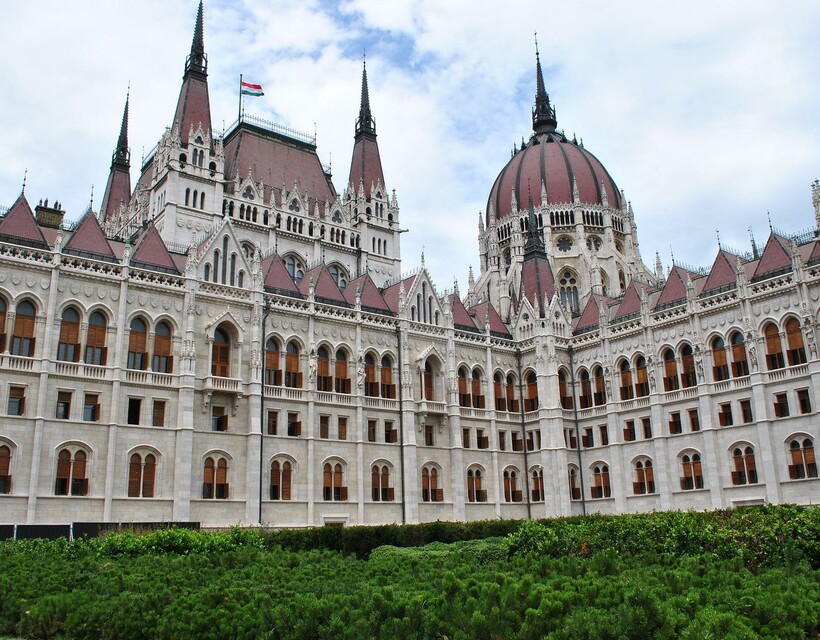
(234, 341)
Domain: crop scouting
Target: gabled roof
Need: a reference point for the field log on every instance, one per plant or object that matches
(631, 302)
(814, 254)
(722, 273)
(592, 313)
(277, 278)
(150, 252)
(537, 282)
(19, 226)
(391, 293)
(88, 240)
(480, 311)
(372, 300)
(776, 256)
(323, 286)
(461, 318)
(675, 288)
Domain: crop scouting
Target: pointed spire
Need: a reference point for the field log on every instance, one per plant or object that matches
(366, 165)
(543, 114)
(197, 60)
(122, 155)
(534, 246)
(118, 188)
(365, 122)
(194, 106)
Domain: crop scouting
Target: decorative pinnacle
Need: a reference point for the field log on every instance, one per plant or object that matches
(543, 114)
(197, 60)
(122, 155)
(365, 123)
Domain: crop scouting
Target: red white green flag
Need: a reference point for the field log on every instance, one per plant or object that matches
(250, 89)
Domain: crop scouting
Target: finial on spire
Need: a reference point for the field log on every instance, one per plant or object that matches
(122, 155)
(365, 123)
(543, 114)
(91, 200)
(197, 60)
(769, 216)
(717, 233)
(25, 175)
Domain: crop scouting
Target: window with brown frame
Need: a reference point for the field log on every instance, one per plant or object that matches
(537, 490)
(294, 425)
(273, 374)
(740, 364)
(5, 469)
(804, 401)
(600, 482)
(512, 401)
(3, 311)
(163, 361)
(644, 478)
(585, 399)
(372, 426)
(293, 377)
(745, 469)
(511, 491)
(599, 395)
(474, 491)
(675, 424)
(725, 414)
(465, 438)
(215, 479)
(333, 485)
(341, 427)
(531, 401)
(694, 420)
(574, 489)
(463, 394)
(781, 405)
(219, 418)
(324, 427)
(475, 390)
(642, 385)
(774, 348)
(482, 441)
(646, 423)
(670, 371)
(720, 366)
(22, 339)
(371, 385)
(342, 382)
(629, 431)
(564, 392)
(68, 348)
(17, 401)
(794, 340)
(498, 393)
(137, 349)
(746, 410)
(391, 434)
(430, 491)
(429, 436)
(281, 480)
(221, 354)
(692, 477)
(388, 389)
(603, 430)
(273, 423)
(71, 473)
(95, 349)
(63, 411)
(324, 381)
(627, 392)
(803, 463)
(380, 488)
(141, 475)
(91, 407)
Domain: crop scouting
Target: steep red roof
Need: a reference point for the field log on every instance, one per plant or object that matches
(631, 302)
(479, 313)
(150, 252)
(675, 288)
(366, 165)
(461, 318)
(277, 277)
(592, 313)
(391, 293)
(371, 298)
(776, 256)
(19, 226)
(89, 240)
(722, 273)
(193, 107)
(537, 282)
(814, 253)
(324, 286)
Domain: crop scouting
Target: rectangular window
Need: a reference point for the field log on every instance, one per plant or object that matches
(647, 428)
(429, 438)
(675, 425)
(342, 427)
(219, 419)
(391, 434)
(588, 439)
(803, 401)
(725, 414)
(158, 414)
(629, 431)
(517, 442)
(465, 438)
(781, 405)
(570, 440)
(502, 440)
(694, 420)
(294, 425)
(482, 441)
(603, 430)
(91, 407)
(63, 405)
(324, 427)
(17, 401)
(746, 410)
(371, 430)
(273, 422)
(134, 410)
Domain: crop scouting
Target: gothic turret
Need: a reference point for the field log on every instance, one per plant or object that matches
(118, 188)
(366, 166)
(543, 113)
(193, 107)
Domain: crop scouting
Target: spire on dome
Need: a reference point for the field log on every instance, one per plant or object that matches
(194, 106)
(197, 60)
(543, 114)
(118, 188)
(365, 123)
(534, 245)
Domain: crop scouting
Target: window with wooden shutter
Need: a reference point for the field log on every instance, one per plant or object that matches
(794, 340)
(3, 310)
(273, 375)
(95, 350)
(91, 407)
(740, 365)
(670, 371)
(774, 348)
(149, 471)
(688, 376)
(5, 469)
(627, 392)
(163, 361)
(342, 427)
(642, 385)
(287, 480)
(388, 389)
(342, 381)
(79, 482)
(22, 342)
(563, 391)
(293, 378)
(371, 386)
(63, 473)
(158, 413)
(221, 485)
(427, 382)
(720, 366)
(275, 481)
(137, 340)
(585, 399)
(134, 476)
(208, 478)
(531, 403)
(220, 354)
(498, 393)
(63, 411)
(375, 483)
(68, 348)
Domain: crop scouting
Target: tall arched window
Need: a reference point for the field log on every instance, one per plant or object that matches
(569, 291)
(720, 367)
(644, 477)
(642, 378)
(71, 473)
(388, 389)
(430, 491)
(324, 381)
(371, 386)
(688, 376)
(564, 391)
(163, 360)
(476, 391)
(794, 339)
(512, 401)
(137, 341)
(474, 491)
(380, 483)
(531, 402)
(273, 374)
(221, 354)
(141, 475)
(627, 392)
(599, 394)
(585, 399)
(342, 383)
(281, 480)
(803, 463)
(428, 392)
(745, 471)
(333, 479)
(670, 371)
(463, 393)
(215, 478)
(68, 348)
(3, 310)
(498, 392)
(574, 489)
(95, 350)
(511, 491)
(293, 377)
(5, 469)
(600, 482)
(538, 484)
(22, 340)
(774, 348)
(692, 471)
(740, 365)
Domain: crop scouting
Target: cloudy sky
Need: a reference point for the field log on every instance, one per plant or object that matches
(706, 115)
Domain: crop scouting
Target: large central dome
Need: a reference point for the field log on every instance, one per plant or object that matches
(551, 160)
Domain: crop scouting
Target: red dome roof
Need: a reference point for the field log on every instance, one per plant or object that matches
(551, 159)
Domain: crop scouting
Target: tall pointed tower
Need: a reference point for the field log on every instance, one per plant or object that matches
(193, 107)
(118, 188)
(367, 201)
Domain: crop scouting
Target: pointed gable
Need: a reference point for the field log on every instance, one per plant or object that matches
(150, 252)
(88, 240)
(814, 255)
(324, 287)
(391, 293)
(631, 302)
(461, 319)
(18, 226)
(776, 257)
(537, 282)
(722, 273)
(372, 300)
(485, 310)
(675, 288)
(591, 315)
(277, 278)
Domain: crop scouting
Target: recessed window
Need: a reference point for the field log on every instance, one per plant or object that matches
(564, 244)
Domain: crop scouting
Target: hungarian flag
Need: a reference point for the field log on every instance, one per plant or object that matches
(250, 89)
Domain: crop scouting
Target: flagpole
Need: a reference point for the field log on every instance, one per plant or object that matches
(239, 116)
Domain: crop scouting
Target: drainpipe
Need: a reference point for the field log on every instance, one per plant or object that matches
(577, 430)
(524, 432)
(401, 430)
(266, 311)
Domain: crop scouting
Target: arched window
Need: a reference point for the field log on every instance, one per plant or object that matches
(3, 310)
(474, 491)
(774, 348)
(295, 268)
(5, 469)
(388, 389)
(22, 340)
(670, 371)
(574, 489)
(794, 340)
(564, 391)
(324, 381)
(512, 401)
(215, 478)
(585, 399)
(371, 386)
(71, 472)
(531, 401)
(68, 348)
(428, 392)
(342, 383)
(430, 491)
(339, 277)
(569, 291)
(281, 480)
(141, 475)
(803, 463)
(644, 477)
(334, 488)
(538, 484)
(95, 350)
(221, 354)
(293, 377)
(273, 374)
(163, 360)
(463, 394)
(743, 458)
(692, 471)
(380, 483)
(720, 367)
(642, 379)
(137, 341)
(688, 376)
(627, 392)
(187, 197)
(599, 394)
(600, 482)
(498, 392)
(475, 390)
(511, 491)
(740, 365)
